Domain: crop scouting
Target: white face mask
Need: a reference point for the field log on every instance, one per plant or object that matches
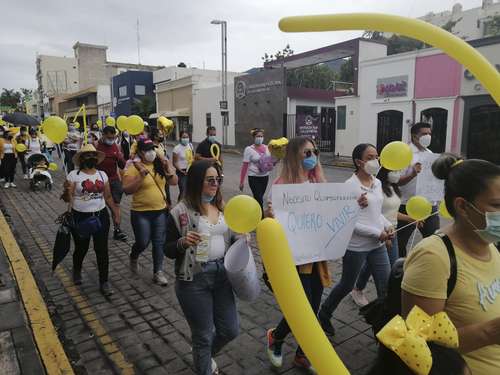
(150, 156)
(425, 140)
(372, 167)
(393, 177)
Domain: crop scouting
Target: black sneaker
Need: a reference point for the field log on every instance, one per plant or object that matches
(326, 325)
(118, 235)
(106, 289)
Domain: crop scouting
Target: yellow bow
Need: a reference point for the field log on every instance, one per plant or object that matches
(409, 340)
(277, 147)
(189, 157)
(215, 151)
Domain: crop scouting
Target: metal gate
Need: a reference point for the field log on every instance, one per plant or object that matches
(389, 128)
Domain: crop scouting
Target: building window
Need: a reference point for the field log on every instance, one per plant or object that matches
(122, 91)
(209, 120)
(140, 90)
(341, 117)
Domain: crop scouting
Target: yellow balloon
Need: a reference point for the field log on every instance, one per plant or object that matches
(110, 121)
(55, 128)
(288, 290)
(443, 211)
(135, 125)
(99, 123)
(20, 147)
(395, 156)
(77, 125)
(53, 166)
(121, 123)
(418, 208)
(242, 214)
(435, 36)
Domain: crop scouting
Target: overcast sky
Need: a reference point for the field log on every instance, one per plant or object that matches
(173, 30)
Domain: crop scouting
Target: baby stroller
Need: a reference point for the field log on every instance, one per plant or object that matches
(39, 172)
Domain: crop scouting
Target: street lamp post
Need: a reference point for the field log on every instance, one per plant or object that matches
(223, 104)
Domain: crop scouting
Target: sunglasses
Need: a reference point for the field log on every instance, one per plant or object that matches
(214, 181)
(308, 152)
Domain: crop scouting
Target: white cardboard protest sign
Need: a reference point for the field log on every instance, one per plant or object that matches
(318, 219)
(241, 271)
(429, 186)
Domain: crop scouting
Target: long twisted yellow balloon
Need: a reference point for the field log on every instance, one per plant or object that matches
(417, 29)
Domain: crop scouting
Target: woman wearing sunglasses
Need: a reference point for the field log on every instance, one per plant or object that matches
(198, 239)
(367, 243)
(300, 166)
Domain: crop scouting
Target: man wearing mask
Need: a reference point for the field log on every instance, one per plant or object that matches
(112, 162)
(420, 141)
(203, 150)
(71, 145)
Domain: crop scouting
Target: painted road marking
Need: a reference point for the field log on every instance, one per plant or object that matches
(112, 351)
(51, 351)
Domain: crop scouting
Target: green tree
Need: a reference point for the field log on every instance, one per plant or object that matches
(319, 76)
(144, 107)
(492, 26)
(10, 98)
(285, 52)
(347, 71)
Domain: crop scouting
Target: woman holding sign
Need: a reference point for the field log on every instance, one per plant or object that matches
(300, 166)
(198, 239)
(368, 239)
(257, 162)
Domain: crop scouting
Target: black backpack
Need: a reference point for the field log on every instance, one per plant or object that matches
(379, 312)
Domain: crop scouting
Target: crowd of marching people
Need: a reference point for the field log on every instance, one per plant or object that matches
(453, 274)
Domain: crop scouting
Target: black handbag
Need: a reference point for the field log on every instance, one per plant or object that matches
(62, 244)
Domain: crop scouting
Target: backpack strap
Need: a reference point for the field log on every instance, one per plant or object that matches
(453, 263)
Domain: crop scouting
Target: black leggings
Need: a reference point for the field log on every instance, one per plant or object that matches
(314, 290)
(100, 244)
(258, 185)
(9, 167)
(22, 159)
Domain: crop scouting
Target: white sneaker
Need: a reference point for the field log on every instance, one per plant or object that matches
(160, 279)
(7, 184)
(13, 184)
(2, 180)
(359, 298)
(25, 177)
(215, 368)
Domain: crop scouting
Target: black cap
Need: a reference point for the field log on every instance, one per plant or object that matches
(145, 145)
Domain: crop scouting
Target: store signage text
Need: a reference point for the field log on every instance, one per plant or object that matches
(392, 87)
(243, 89)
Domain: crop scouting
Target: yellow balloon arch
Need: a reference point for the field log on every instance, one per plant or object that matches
(452, 45)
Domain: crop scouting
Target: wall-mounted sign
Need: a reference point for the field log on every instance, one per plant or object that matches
(307, 125)
(243, 89)
(392, 87)
(223, 104)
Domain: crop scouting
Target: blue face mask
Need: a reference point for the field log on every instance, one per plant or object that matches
(310, 162)
(184, 141)
(491, 233)
(207, 198)
(212, 138)
(259, 140)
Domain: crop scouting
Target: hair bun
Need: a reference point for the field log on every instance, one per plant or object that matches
(443, 165)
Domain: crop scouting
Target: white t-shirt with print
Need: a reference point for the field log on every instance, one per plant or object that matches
(89, 190)
(410, 189)
(252, 157)
(217, 244)
(180, 150)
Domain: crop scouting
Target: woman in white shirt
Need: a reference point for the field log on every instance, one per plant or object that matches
(390, 210)
(198, 238)
(182, 157)
(34, 143)
(258, 163)
(87, 190)
(367, 243)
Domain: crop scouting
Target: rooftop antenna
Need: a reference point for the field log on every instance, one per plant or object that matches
(138, 44)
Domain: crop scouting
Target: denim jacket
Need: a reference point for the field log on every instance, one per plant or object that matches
(181, 220)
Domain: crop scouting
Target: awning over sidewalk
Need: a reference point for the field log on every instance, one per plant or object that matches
(181, 112)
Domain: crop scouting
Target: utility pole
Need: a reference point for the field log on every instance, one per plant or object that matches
(138, 44)
(224, 103)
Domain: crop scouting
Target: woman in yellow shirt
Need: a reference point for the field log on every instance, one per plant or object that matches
(145, 180)
(472, 196)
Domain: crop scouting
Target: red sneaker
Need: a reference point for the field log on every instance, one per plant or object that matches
(301, 361)
(273, 349)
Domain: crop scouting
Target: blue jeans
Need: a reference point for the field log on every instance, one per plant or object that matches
(209, 306)
(149, 226)
(365, 273)
(378, 262)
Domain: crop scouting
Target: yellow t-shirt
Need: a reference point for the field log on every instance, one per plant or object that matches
(148, 197)
(475, 298)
